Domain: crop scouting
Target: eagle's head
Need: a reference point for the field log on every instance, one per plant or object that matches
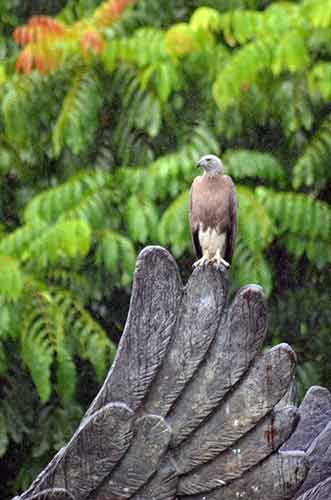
(211, 164)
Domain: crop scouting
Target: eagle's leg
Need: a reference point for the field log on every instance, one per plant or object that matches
(218, 259)
(201, 262)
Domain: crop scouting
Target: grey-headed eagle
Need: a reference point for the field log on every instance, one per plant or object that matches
(213, 213)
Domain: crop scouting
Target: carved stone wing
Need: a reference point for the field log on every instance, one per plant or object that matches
(313, 436)
(191, 408)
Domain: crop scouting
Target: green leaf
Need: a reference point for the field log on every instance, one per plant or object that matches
(251, 266)
(65, 239)
(136, 220)
(174, 226)
(206, 18)
(4, 441)
(108, 252)
(245, 164)
(3, 361)
(255, 225)
(77, 122)
(66, 374)
(11, 280)
(313, 166)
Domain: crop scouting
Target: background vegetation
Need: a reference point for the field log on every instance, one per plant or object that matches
(105, 108)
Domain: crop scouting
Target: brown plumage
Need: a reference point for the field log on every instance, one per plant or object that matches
(213, 213)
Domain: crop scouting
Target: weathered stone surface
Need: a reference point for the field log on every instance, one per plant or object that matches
(277, 478)
(320, 492)
(151, 439)
(238, 340)
(163, 485)
(198, 320)
(290, 398)
(52, 494)
(262, 388)
(315, 414)
(207, 407)
(319, 457)
(251, 449)
(103, 440)
(156, 293)
(91, 454)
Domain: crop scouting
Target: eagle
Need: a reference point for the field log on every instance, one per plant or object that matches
(213, 214)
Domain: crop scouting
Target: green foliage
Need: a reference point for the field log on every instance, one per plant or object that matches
(251, 266)
(117, 254)
(11, 282)
(97, 153)
(245, 164)
(313, 167)
(174, 227)
(305, 315)
(77, 123)
(303, 223)
(84, 196)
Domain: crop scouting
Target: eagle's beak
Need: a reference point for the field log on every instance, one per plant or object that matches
(201, 163)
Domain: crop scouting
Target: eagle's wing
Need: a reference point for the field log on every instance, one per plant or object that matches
(232, 227)
(194, 227)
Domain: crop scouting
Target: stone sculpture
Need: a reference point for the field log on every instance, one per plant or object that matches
(192, 408)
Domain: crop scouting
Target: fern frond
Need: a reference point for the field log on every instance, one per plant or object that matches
(142, 219)
(11, 279)
(292, 106)
(319, 80)
(303, 223)
(93, 209)
(251, 266)
(64, 240)
(73, 197)
(68, 279)
(317, 251)
(3, 356)
(145, 47)
(174, 225)
(318, 12)
(242, 70)
(89, 337)
(78, 120)
(291, 53)
(56, 327)
(18, 241)
(29, 106)
(4, 440)
(15, 116)
(245, 164)
(206, 18)
(274, 41)
(117, 254)
(171, 173)
(37, 349)
(255, 225)
(65, 367)
(241, 26)
(313, 167)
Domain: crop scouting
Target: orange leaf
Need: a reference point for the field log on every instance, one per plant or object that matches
(118, 6)
(37, 29)
(24, 62)
(92, 40)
